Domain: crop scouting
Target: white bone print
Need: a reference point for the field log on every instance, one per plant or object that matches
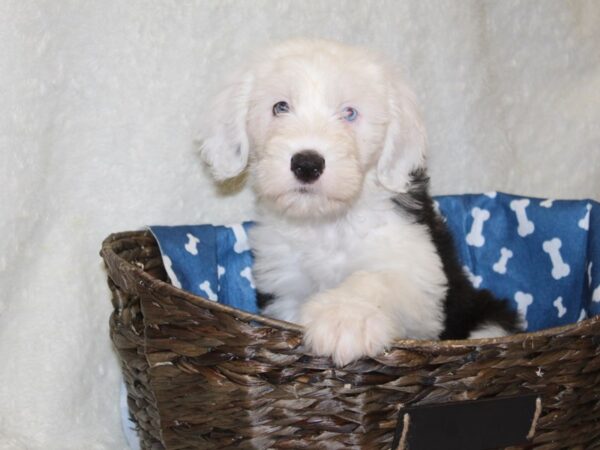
(169, 268)
(596, 292)
(547, 203)
(596, 295)
(247, 274)
(241, 238)
(192, 244)
(475, 280)
(523, 300)
(526, 226)
(585, 222)
(505, 255)
(558, 304)
(560, 269)
(205, 286)
(475, 237)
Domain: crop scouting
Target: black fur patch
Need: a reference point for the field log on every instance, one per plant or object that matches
(263, 300)
(465, 307)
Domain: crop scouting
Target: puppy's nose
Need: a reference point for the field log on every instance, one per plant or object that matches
(307, 166)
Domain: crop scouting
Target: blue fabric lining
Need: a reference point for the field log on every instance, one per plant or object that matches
(213, 262)
(550, 270)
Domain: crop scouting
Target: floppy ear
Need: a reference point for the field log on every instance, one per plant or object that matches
(405, 142)
(225, 140)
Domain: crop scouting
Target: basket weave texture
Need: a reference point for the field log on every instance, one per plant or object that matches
(201, 375)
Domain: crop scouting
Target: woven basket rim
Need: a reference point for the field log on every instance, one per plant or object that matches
(108, 253)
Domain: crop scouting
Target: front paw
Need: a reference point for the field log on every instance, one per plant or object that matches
(345, 328)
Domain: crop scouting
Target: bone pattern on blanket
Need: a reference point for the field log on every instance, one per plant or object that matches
(192, 244)
(475, 236)
(560, 269)
(558, 304)
(475, 280)
(247, 274)
(584, 223)
(241, 239)
(210, 294)
(505, 255)
(526, 226)
(523, 300)
(595, 292)
(169, 268)
(596, 295)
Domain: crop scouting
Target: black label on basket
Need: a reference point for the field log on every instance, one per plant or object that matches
(470, 425)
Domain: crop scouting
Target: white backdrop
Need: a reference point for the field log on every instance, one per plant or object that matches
(99, 104)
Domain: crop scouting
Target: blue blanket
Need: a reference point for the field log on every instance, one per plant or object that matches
(213, 262)
(542, 255)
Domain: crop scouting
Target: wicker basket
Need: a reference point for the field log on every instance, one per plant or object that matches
(204, 375)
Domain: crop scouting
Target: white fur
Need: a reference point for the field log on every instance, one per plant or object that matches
(336, 254)
(488, 330)
(356, 283)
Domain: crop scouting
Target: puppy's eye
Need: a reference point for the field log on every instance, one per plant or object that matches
(349, 114)
(280, 108)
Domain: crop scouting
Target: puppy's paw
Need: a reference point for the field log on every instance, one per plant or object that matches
(345, 328)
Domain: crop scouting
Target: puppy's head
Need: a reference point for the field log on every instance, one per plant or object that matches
(312, 119)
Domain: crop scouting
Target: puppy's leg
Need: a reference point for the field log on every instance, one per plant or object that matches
(286, 308)
(366, 312)
(489, 331)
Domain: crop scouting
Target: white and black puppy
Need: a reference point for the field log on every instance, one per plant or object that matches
(347, 243)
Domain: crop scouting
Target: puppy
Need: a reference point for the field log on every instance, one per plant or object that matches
(348, 242)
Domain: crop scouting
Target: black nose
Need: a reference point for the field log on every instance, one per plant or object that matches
(307, 165)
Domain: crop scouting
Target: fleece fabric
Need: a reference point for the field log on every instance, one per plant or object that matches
(100, 103)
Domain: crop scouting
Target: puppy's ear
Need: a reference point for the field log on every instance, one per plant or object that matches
(224, 142)
(405, 142)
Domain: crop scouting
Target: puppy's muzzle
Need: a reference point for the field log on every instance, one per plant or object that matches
(307, 166)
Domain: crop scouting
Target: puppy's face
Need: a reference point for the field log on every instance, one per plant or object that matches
(312, 119)
(316, 121)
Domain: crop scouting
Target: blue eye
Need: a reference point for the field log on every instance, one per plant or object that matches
(280, 108)
(349, 114)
